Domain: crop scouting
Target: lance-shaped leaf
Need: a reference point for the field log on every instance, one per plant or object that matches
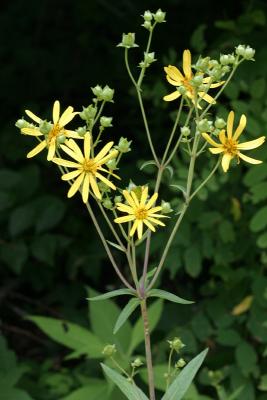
(168, 296)
(146, 163)
(113, 293)
(131, 391)
(180, 385)
(125, 314)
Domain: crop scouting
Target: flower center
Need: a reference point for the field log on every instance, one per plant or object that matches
(90, 166)
(188, 86)
(141, 213)
(230, 146)
(55, 131)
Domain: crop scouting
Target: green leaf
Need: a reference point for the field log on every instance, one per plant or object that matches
(13, 393)
(192, 258)
(263, 383)
(125, 314)
(168, 296)
(262, 241)
(259, 221)
(146, 163)
(44, 248)
(70, 335)
(14, 255)
(197, 40)
(170, 170)
(113, 293)
(236, 393)
(94, 390)
(257, 89)
(154, 314)
(228, 337)
(180, 188)
(180, 385)
(118, 247)
(131, 391)
(246, 358)
(159, 378)
(51, 211)
(21, 219)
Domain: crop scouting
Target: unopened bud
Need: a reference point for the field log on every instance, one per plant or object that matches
(109, 350)
(176, 344)
(137, 363)
(240, 50)
(147, 25)
(204, 125)
(149, 57)
(166, 207)
(249, 53)
(220, 123)
(159, 16)
(117, 199)
(185, 131)
(197, 80)
(61, 139)
(21, 123)
(107, 203)
(131, 186)
(112, 164)
(182, 89)
(81, 131)
(97, 91)
(88, 112)
(148, 16)
(45, 127)
(107, 93)
(106, 122)
(128, 40)
(124, 145)
(180, 363)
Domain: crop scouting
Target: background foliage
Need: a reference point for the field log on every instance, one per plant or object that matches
(49, 253)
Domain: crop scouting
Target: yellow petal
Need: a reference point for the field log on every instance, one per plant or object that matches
(71, 175)
(66, 163)
(222, 136)
(72, 134)
(56, 111)
(87, 145)
(105, 180)
(33, 116)
(249, 159)
(230, 123)
(144, 196)
(51, 149)
(140, 229)
(226, 159)
(31, 131)
(37, 149)
(95, 187)
(251, 144)
(244, 306)
(103, 152)
(126, 218)
(214, 85)
(151, 201)
(172, 96)
(173, 82)
(124, 208)
(67, 116)
(187, 64)
(210, 140)
(72, 154)
(174, 73)
(112, 154)
(241, 127)
(206, 97)
(129, 199)
(149, 225)
(135, 199)
(85, 188)
(155, 221)
(75, 186)
(134, 227)
(216, 150)
(155, 209)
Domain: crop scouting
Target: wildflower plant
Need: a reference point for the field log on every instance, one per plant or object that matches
(89, 164)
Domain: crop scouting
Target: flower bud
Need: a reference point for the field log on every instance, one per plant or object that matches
(107, 203)
(213, 63)
(197, 80)
(176, 344)
(216, 72)
(148, 16)
(103, 187)
(147, 25)
(106, 122)
(159, 16)
(124, 145)
(45, 127)
(61, 139)
(88, 112)
(97, 91)
(225, 69)
(149, 57)
(112, 164)
(117, 199)
(220, 123)
(107, 93)
(137, 363)
(131, 186)
(166, 207)
(81, 131)
(128, 40)
(180, 363)
(109, 350)
(185, 131)
(21, 123)
(240, 50)
(249, 53)
(202, 64)
(182, 89)
(203, 125)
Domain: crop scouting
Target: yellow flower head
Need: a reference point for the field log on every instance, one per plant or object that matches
(57, 130)
(140, 211)
(86, 168)
(229, 144)
(177, 79)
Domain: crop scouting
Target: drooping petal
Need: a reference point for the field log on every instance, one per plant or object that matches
(173, 82)
(241, 127)
(87, 145)
(105, 180)
(104, 151)
(72, 134)
(249, 159)
(206, 97)
(134, 227)
(149, 225)
(71, 175)
(31, 131)
(126, 218)
(187, 64)
(151, 201)
(37, 149)
(66, 163)
(174, 73)
(155, 221)
(251, 144)
(216, 150)
(226, 159)
(75, 148)
(95, 187)
(56, 111)
(129, 199)
(140, 229)
(172, 96)
(51, 149)
(218, 84)
(33, 116)
(210, 140)
(75, 186)
(230, 123)
(85, 188)
(124, 208)
(72, 154)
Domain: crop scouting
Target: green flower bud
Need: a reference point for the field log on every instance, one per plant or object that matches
(106, 122)
(148, 16)
(128, 40)
(147, 25)
(81, 131)
(112, 164)
(176, 344)
(138, 191)
(182, 89)
(180, 363)
(225, 69)
(88, 112)
(216, 73)
(107, 93)
(124, 145)
(185, 131)
(117, 199)
(213, 63)
(107, 203)
(131, 186)
(109, 350)
(159, 16)
(149, 57)
(202, 64)
(103, 187)
(97, 91)
(240, 50)
(137, 363)
(45, 127)
(61, 139)
(226, 59)
(220, 123)
(249, 53)
(197, 80)
(21, 123)
(166, 207)
(204, 125)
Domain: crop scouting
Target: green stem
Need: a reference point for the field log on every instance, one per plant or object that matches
(142, 73)
(169, 369)
(173, 131)
(128, 67)
(111, 226)
(205, 180)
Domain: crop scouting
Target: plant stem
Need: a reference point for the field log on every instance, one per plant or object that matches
(173, 131)
(111, 226)
(206, 179)
(148, 351)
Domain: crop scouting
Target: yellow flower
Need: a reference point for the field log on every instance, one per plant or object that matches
(57, 130)
(140, 211)
(230, 146)
(177, 79)
(86, 168)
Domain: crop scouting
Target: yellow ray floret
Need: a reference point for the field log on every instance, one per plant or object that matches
(57, 130)
(87, 170)
(229, 145)
(177, 79)
(140, 212)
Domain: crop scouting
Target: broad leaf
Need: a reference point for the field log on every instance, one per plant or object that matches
(168, 296)
(131, 391)
(94, 390)
(125, 314)
(180, 385)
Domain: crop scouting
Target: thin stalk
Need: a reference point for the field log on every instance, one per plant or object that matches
(111, 226)
(173, 130)
(98, 114)
(169, 369)
(148, 351)
(205, 180)
(142, 73)
(128, 67)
